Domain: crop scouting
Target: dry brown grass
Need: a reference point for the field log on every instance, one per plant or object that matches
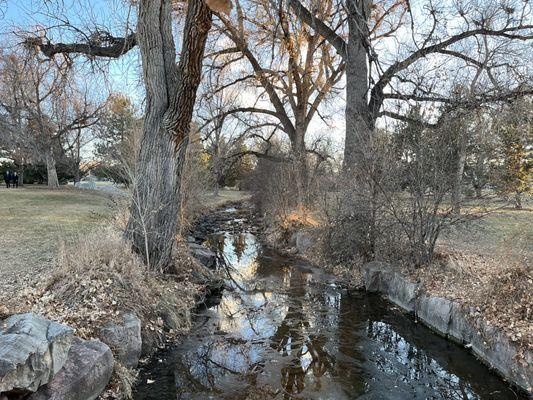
(103, 278)
(499, 292)
(34, 221)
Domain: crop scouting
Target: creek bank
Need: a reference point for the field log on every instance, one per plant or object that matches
(234, 215)
(277, 311)
(451, 320)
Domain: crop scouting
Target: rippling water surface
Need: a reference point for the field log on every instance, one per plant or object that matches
(285, 331)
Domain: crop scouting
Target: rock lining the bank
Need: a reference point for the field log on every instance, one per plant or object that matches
(32, 350)
(448, 318)
(43, 359)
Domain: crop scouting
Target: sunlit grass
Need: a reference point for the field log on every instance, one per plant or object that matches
(35, 220)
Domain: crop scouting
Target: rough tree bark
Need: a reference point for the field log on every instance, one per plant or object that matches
(21, 175)
(51, 172)
(170, 97)
(359, 122)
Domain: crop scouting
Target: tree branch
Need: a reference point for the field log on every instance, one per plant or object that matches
(114, 48)
(325, 31)
(376, 97)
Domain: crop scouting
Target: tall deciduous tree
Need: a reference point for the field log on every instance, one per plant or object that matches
(170, 97)
(515, 130)
(45, 104)
(290, 64)
(430, 50)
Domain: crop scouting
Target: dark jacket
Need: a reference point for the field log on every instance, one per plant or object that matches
(7, 176)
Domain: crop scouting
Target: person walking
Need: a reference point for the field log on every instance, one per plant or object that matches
(15, 180)
(7, 178)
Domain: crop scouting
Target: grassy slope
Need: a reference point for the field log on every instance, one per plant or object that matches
(34, 221)
(503, 232)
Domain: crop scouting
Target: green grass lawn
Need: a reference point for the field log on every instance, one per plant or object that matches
(34, 221)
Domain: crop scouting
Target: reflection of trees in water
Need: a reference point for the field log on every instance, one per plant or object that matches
(419, 367)
(205, 369)
(293, 341)
(239, 245)
(348, 369)
(218, 241)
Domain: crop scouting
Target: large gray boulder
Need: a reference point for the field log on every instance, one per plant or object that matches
(32, 350)
(84, 376)
(125, 339)
(204, 255)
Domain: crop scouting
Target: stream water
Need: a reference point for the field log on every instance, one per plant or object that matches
(285, 331)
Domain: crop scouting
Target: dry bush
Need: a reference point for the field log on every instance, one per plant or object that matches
(122, 383)
(99, 278)
(272, 185)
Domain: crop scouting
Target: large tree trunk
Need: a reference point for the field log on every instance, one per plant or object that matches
(51, 172)
(518, 200)
(170, 97)
(459, 171)
(21, 174)
(301, 173)
(359, 125)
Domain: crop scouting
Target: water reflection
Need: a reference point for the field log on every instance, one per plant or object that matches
(284, 331)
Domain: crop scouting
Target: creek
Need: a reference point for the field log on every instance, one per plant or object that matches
(285, 330)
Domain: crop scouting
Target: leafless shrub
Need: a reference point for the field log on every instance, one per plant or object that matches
(395, 204)
(193, 185)
(272, 184)
(123, 381)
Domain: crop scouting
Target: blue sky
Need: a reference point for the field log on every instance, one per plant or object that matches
(122, 75)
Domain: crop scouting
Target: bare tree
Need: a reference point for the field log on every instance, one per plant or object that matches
(289, 64)
(46, 104)
(222, 134)
(428, 50)
(16, 143)
(170, 97)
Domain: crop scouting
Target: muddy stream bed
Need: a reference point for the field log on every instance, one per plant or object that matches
(284, 330)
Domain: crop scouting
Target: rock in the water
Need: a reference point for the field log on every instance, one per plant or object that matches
(32, 350)
(124, 339)
(205, 256)
(84, 376)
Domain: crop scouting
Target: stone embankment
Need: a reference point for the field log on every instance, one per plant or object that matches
(450, 319)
